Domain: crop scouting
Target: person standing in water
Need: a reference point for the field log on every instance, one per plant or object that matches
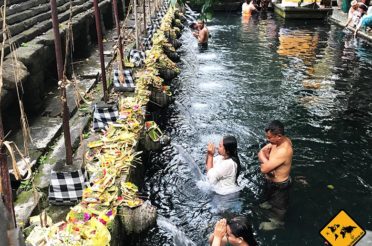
(275, 163)
(202, 34)
(248, 8)
(223, 169)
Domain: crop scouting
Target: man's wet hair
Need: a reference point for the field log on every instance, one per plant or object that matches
(275, 127)
(193, 25)
(201, 20)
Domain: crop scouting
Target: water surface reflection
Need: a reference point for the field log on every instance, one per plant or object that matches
(312, 76)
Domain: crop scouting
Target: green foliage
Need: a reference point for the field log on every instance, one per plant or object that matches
(86, 135)
(26, 185)
(206, 10)
(43, 159)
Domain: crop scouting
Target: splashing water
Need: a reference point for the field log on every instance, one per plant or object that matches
(179, 237)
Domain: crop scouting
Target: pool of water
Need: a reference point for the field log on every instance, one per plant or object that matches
(315, 78)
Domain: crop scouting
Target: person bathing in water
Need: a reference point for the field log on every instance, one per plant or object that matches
(223, 169)
(275, 163)
(202, 34)
(234, 232)
(248, 8)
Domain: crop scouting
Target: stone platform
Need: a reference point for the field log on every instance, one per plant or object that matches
(340, 18)
(301, 12)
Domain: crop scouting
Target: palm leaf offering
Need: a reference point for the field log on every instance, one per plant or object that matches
(129, 191)
(153, 130)
(110, 157)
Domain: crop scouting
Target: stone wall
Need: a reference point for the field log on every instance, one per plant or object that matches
(30, 25)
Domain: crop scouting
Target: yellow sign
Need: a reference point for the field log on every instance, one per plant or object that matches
(342, 230)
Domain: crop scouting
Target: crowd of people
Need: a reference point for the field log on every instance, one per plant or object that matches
(360, 15)
(223, 169)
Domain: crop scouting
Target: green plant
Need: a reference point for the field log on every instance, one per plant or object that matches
(206, 10)
(26, 185)
(43, 159)
(86, 135)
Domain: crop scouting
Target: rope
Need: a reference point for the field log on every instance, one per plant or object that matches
(19, 87)
(69, 50)
(12, 150)
(3, 11)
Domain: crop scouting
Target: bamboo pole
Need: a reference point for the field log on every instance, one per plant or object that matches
(144, 17)
(100, 46)
(136, 22)
(65, 109)
(117, 22)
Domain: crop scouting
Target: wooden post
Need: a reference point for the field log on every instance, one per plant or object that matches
(65, 109)
(136, 22)
(124, 8)
(100, 46)
(149, 4)
(5, 187)
(118, 32)
(144, 17)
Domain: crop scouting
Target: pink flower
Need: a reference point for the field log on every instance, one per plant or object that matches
(86, 217)
(102, 221)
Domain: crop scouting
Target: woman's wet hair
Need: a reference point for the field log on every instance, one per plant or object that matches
(231, 147)
(275, 127)
(240, 227)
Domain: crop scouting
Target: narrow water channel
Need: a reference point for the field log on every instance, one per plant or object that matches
(315, 78)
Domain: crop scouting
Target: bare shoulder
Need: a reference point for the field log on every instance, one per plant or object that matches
(285, 148)
(289, 146)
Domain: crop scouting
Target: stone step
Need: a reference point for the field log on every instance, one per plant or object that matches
(32, 27)
(11, 2)
(19, 12)
(22, 19)
(48, 126)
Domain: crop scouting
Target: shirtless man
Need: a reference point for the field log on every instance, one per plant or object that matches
(275, 163)
(202, 34)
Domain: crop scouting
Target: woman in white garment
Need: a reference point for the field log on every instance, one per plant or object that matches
(223, 169)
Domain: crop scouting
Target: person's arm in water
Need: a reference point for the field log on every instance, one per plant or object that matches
(349, 17)
(358, 27)
(210, 153)
(276, 159)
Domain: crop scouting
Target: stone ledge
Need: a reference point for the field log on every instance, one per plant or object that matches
(25, 205)
(340, 18)
(77, 124)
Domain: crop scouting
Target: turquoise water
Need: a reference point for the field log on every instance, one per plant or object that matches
(315, 78)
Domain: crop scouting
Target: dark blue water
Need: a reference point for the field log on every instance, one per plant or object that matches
(315, 78)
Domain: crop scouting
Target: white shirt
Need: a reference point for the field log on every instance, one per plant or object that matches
(223, 175)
